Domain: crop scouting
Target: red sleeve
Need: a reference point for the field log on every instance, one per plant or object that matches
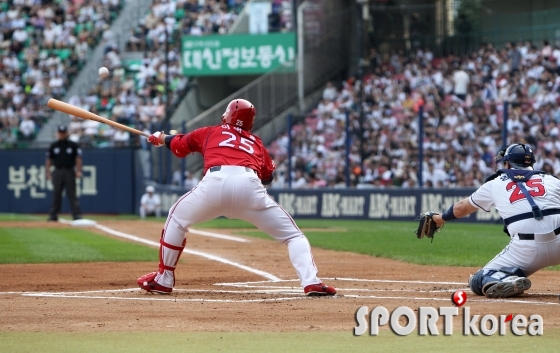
(182, 145)
(267, 167)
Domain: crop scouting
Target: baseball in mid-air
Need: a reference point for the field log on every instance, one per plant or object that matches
(103, 72)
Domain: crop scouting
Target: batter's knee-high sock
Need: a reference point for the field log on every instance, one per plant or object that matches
(172, 243)
(302, 260)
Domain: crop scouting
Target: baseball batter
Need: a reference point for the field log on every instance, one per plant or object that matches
(529, 202)
(236, 165)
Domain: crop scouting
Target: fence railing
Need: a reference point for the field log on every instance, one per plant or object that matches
(325, 55)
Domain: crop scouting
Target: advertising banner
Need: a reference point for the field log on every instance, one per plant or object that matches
(105, 187)
(238, 54)
(373, 204)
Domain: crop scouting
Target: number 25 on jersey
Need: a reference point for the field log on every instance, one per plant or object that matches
(231, 141)
(535, 188)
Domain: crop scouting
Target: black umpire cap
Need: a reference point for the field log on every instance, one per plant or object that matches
(62, 128)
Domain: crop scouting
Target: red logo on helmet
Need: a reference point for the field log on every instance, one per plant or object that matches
(241, 113)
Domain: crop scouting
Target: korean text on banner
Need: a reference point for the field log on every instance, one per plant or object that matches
(239, 54)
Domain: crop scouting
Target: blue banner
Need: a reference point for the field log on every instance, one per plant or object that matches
(106, 186)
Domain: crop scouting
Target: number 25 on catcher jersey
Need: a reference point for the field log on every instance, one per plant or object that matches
(508, 198)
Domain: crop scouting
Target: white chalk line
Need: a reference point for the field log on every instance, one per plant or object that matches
(272, 290)
(194, 231)
(366, 289)
(288, 291)
(84, 292)
(348, 279)
(48, 295)
(219, 236)
(175, 290)
(394, 281)
(293, 292)
(267, 275)
(264, 274)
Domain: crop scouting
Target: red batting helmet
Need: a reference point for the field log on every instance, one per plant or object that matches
(240, 113)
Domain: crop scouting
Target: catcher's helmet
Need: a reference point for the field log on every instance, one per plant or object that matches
(240, 113)
(518, 155)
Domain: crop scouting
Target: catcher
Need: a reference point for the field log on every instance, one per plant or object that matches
(528, 200)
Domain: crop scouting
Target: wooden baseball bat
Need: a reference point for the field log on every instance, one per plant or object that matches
(84, 114)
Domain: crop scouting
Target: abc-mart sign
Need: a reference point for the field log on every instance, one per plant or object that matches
(426, 322)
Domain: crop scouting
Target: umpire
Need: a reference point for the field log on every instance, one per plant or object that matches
(66, 156)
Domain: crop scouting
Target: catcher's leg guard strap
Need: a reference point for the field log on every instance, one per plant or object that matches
(515, 271)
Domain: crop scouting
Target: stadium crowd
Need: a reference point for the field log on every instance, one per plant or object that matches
(462, 99)
(134, 92)
(43, 45)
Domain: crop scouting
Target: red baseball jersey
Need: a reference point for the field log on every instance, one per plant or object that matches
(225, 145)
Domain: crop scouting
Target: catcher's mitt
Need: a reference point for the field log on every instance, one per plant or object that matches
(427, 227)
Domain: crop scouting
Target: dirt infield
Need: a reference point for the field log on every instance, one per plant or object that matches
(217, 296)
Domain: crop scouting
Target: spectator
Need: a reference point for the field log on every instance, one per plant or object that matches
(329, 93)
(176, 178)
(190, 180)
(27, 128)
(150, 203)
(299, 181)
(463, 120)
(461, 82)
(44, 44)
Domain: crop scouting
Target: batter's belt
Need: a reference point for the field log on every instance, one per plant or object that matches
(219, 167)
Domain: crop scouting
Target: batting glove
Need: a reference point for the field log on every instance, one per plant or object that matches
(157, 139)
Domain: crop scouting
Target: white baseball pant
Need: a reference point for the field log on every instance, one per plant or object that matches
(529, 255)
(234, 192)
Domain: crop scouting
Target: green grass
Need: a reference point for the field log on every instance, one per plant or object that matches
(20, 217)
(56, 245)
(97, 217)
(308, 342)
(458, 244)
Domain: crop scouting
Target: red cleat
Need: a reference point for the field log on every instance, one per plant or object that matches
(319, 290)
(148, 284)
